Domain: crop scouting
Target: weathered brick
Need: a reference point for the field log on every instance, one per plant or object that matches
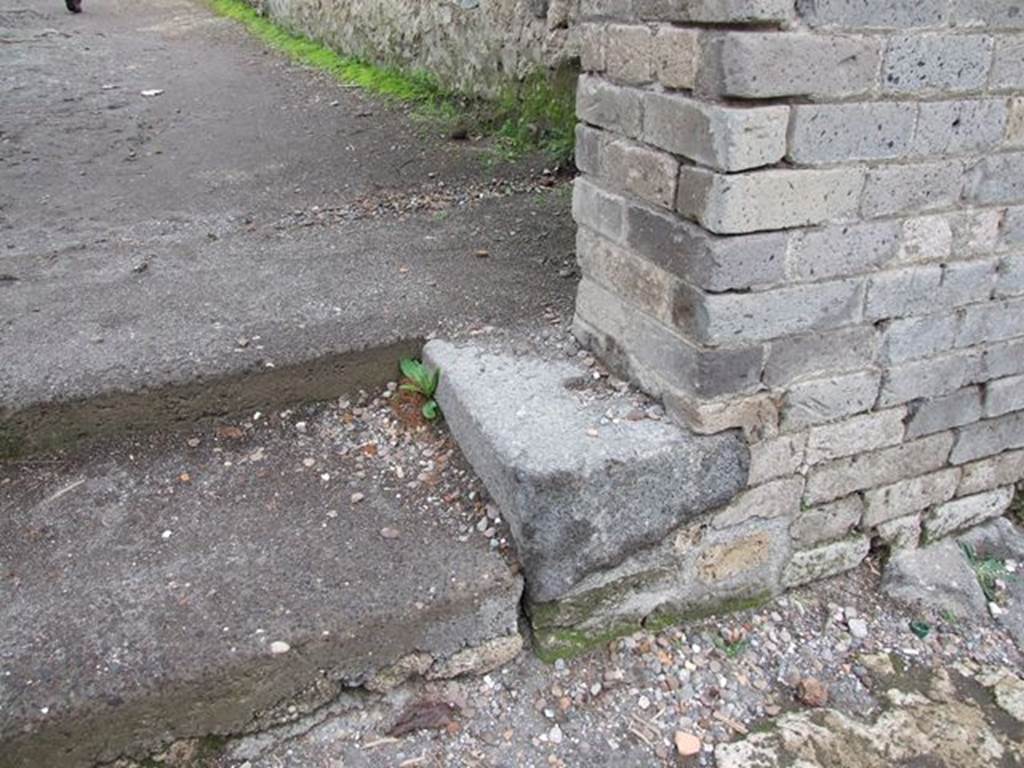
(936, 62)
(824, 400)
(944, 412)
(926, 238)
(754, 414)
(600, 103)
(1008, 63)
(869, 470)
(989, 437)
(592, 45)
(930, 377)
(1002, 359)
(766, 200)
(676, 54)
(636, 344)
(873, 14)
(951, 127)
(997, 179)
(1011, 232)
(1004, 395)
(984, 475)
(913, 338)
(618, 9)
(1010, 280)
(975, 232)
(912, 188)
(918, 290)
(838, 251)
(641, 171)
(826, 523)
(829, 560)
(598, 209)
(779, 498)
(860, 434)
(994, 321)
(629, 50)
(989, 13)
(816, 354)
(589, 148)
(965, 512)
(834, 133)
(715, 11)
(909, 496)
(701, 258)
(725, 138)
(729, 318)
(631, 277)
(769, 65)
(1015, 122)
(901, 533)
(776, 457)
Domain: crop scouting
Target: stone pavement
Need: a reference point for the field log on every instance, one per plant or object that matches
(252, 214)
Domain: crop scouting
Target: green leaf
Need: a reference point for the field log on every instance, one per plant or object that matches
(434, 380)
(409, 388)
(408, 367)
(431, 410)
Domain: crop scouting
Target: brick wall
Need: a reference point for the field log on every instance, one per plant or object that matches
(806, 220)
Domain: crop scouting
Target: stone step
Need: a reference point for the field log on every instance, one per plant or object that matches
(591, 486)
(169, 589)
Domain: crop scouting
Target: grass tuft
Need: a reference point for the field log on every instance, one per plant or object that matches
(537, 113)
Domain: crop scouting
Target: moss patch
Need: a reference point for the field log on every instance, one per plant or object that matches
(538, 113)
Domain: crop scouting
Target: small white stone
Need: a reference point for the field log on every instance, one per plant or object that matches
(858, 628)
(357, 497)
(644, 703)
(555, 734)
(165, 535)
(300, 427)
(308, 462)
(995, 610)
(279, 646)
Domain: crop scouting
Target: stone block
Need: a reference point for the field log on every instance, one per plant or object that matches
(1008, 63)
(943, 62)
(598, 209)
(629, 52)
(989, 437)
(908, 189)
(927, 288)
(908, 497)
(837, 133)
(779, 498)
(997, 179)
(731, 318)
(841, 251)
(1010, 276)
(913, 338)
(828, 560)
(724, 138)
(830, 399)
(937, 576)
(592, 47)
(1003, 359)
(994, 321)
(944, 412)
(1004, 395)
(956, 127)
(828, 522)
(883, 467)
(605, 105)
(988, 13)
(715, 11)
(651, 354)
(925, 239)
(977, 232)
(767, 200)
(776, 457)
(930, 377)
(814, 355)
(641, 171)
(966, 511)
(988, 474)
(1015, 122)
(872, 14)
(757, 65)
(757, 415)
(903, 533)
(576, 503)
(860, 434)
(705, 260)
(676, 54)
(590, 148)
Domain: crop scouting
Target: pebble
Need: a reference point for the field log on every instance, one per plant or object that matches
(357, 497)
(858, 628)
(687, 745)
(812, 692)
(555, 734)
(389, 533)
(279, 646)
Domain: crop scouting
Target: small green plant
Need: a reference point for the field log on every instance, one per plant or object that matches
(988, 570)
(949, 617)
(421, 382)
(731, 642)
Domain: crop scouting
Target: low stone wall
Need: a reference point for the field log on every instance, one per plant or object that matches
(806, 221)
(476, 46)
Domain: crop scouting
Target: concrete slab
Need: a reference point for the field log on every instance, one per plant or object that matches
(152, 590)
(583, 479)
(142, 237)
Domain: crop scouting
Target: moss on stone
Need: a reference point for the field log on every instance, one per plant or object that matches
(576, 610)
